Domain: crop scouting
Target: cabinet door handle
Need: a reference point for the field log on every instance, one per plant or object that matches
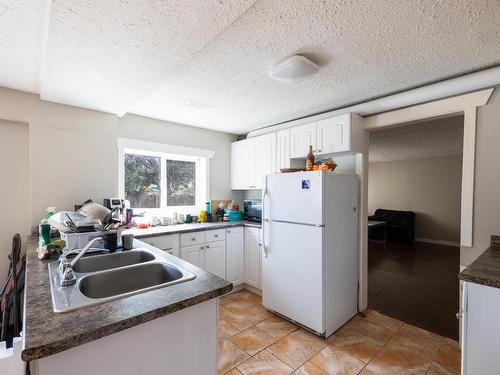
(193, 239)
(202, 247)
(216, 235)
(229, 231)
(320, 150)
(208, 246)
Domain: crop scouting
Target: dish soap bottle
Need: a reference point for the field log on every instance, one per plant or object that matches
(310, 159)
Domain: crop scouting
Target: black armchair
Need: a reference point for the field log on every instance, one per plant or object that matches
(400, 224)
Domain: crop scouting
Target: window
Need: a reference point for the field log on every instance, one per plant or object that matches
(155, 179)
(181, 183)
(143, 180)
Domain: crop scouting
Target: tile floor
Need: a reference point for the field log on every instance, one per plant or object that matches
(254, 341)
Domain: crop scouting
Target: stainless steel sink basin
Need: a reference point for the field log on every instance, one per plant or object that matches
(102, 278)
(123, 281)
(95, 263)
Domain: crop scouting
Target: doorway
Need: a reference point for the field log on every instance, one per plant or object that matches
(414, 197)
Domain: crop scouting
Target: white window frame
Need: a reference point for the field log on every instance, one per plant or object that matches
(171, 152)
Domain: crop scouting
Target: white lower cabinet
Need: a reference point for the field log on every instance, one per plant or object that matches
(167, 242)
(215, 258)
(205, 249)
(235, 255)
(480, 309)
(252, 257)
(194, 254)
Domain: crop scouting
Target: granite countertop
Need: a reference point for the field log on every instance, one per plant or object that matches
(186, 228)
(485, 270)
(46, 332)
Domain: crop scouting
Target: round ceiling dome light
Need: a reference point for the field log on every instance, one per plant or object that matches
(293, 69)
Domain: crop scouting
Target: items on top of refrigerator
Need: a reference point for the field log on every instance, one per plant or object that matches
(324, 165)
(310, 159)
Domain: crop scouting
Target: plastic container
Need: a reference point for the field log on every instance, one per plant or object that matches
(44, 232)
(203, 216)
(234, 215)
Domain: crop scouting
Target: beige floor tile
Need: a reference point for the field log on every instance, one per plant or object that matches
(232, 299)
(418, 338)
(240, 317)
(398, 359)
(249, 298)
(336, 362)
(260, 310)
(264, 363)
(315, 341)
(229, 356)
(277, 327)
(346, 328)
(310, 369)
(233, 372)
(292, 351)
(253, 340)
(383, 320)
(446, 361)
(359, 346)
(225, 330)
(368, 329)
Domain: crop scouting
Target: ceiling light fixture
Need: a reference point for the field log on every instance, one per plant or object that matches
(293, 69)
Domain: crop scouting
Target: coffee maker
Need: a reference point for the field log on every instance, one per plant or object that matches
(117, 206)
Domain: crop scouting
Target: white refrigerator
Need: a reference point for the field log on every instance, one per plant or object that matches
(310, 257)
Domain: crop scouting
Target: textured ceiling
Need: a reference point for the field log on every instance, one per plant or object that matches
(109, 54)
(205, 63)
(440, 137)
(22, 24)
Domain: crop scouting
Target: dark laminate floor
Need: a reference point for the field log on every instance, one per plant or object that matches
(416, 283)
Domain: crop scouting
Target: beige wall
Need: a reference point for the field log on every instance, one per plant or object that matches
(72, 151)
(74, 154)
(14, 192)
(486, 180)
(147, 129)
(429, 186)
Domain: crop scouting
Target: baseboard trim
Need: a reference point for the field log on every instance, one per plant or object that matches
(437, 242)
(237, 288)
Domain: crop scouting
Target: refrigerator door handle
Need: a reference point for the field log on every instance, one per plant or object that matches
(264, 219)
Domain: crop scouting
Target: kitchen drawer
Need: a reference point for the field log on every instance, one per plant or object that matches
(193, 238)
(168, 242)
(215, 235)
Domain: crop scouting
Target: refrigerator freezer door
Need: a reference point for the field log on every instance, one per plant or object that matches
(292, 273)
(295, 197)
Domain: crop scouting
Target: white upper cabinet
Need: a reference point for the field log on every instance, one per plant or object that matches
(251, 160)
(240, 165)
(300, 138)
(333, 134)
(256, 157)
(265, 158)
(283, 149)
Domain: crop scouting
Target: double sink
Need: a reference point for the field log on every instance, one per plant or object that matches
(102, 278)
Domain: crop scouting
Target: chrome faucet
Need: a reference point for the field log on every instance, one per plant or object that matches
(66, 273)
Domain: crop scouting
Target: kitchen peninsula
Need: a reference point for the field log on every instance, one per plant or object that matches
(173, 329)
